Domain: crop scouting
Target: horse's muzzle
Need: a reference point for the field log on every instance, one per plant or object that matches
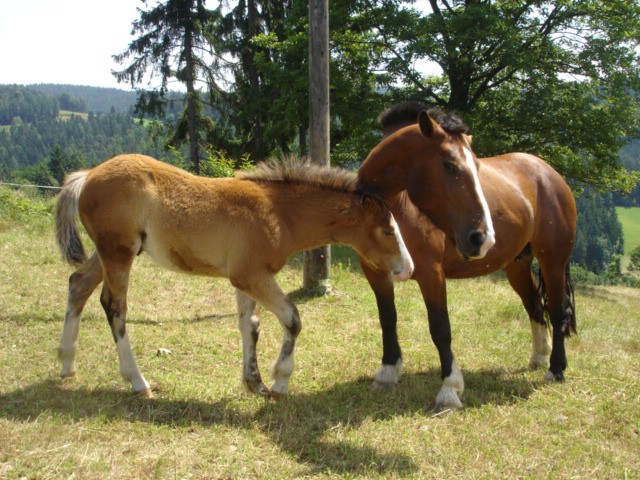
(477, 244)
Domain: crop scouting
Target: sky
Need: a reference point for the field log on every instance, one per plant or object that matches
(67, 41)
(64, 41)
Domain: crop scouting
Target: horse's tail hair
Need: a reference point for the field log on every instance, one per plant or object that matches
(67, 234)
(569, 322)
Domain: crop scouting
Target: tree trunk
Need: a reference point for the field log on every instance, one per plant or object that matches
(192, 106)
(317, 263)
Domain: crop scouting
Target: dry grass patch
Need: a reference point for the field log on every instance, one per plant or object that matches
(203, 424)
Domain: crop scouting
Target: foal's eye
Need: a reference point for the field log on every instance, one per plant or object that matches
(389, 233)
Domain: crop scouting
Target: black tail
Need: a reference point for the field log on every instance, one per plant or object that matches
(569, 321)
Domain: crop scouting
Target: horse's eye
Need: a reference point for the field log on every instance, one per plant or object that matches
(389, 233)
(450, 166)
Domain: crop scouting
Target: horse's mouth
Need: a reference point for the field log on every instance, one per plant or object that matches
(476, 250)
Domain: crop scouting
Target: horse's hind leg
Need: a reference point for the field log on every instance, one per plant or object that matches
(560, 308)
(249, 324)
(114, 303)
(266, 291)
(82, 283)
(521, 280)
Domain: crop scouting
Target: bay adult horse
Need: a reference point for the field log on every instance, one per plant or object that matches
(241, 228)
(533, 215)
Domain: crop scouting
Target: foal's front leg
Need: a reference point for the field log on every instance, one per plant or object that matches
(249, 324)
(266, 291)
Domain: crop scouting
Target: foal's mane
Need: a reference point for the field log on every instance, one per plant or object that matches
(406, 113)
(293, 171)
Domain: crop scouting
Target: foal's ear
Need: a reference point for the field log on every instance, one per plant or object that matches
(428, 126)
(469, 138)
(372, 204)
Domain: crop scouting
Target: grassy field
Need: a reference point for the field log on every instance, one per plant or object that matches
(202, 424)
(630, 219)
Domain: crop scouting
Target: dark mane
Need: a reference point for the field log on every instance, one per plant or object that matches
(406, 113)
(294, 171)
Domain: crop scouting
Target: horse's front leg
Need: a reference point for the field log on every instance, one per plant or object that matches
(433, 287)
(266, 291)
(249, 324)
(391, 369)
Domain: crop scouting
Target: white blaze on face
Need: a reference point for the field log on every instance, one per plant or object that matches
(407, 261)
(491, 234)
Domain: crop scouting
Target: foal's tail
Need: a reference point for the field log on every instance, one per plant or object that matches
(569, 321)
(67, 235)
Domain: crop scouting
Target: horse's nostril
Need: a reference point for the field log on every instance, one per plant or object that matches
(477, 238)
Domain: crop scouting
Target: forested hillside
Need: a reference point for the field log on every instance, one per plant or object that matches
(30, 129)
(97, 100)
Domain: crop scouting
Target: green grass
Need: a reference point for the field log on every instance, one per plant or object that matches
(202, 424)
(66, 115)
(630, 219)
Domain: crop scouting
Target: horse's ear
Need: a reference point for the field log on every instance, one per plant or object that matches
(428, 126)
(469, 138)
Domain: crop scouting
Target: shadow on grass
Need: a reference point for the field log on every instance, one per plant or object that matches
(300, 424)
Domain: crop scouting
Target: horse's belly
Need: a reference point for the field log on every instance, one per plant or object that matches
(456, 267)
(182, 258)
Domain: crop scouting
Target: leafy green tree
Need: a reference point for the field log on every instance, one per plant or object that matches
(173, 43)
(557, 79)
(269, 102)
(62, 162)
(58, 163)
(634, 260)
(599, 237)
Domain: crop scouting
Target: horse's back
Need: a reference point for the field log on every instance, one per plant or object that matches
(184, 222)
(524, 179)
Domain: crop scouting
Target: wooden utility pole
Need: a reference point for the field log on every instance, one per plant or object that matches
(317, 263)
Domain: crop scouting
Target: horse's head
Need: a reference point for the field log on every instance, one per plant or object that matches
(436, 166)
(381, 245)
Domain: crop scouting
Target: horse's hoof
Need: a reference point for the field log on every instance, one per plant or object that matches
(69, 374)
(381, 386)
(442, 410)
(447, 399)
(557, 377)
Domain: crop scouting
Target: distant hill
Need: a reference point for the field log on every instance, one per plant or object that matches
(97, 99)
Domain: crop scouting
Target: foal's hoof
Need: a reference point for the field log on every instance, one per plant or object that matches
(67, 374)
(538, 361)
(258, 388)
(277, 395)
(144, 393)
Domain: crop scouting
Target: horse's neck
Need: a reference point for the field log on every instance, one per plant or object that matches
(388, 164)
(319, 216)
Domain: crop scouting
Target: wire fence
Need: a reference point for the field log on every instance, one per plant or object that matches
(45, 187)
